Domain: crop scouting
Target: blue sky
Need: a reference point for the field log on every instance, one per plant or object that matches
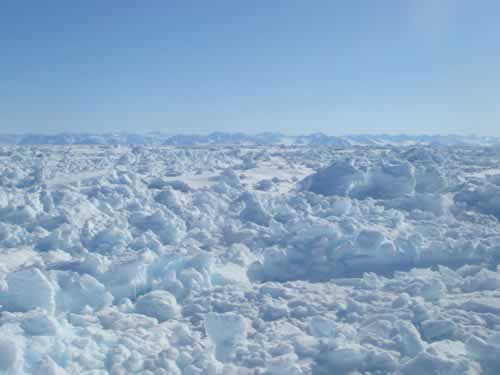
(186, 66)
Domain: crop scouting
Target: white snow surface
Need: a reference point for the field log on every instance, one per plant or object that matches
(334, 259)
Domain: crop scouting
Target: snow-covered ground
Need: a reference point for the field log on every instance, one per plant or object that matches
(344, 259)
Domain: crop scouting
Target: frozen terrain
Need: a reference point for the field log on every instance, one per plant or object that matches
(366, 256)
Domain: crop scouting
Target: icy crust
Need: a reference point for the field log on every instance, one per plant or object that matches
(256, 260)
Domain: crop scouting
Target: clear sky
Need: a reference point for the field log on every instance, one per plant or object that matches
(293, 66)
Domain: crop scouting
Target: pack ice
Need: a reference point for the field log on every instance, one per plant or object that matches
(271, 260)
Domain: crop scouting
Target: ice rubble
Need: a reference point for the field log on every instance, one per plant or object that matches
(348, 260)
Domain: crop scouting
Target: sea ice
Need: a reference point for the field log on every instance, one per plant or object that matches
(367, 255)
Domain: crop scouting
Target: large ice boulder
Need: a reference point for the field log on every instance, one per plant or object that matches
(340, 178)
(388, 180)
(385, 180)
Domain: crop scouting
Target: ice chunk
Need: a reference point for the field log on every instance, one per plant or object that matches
(20, 297)
(109, 238)
(240, 254)
(3, 199)
(323, 327)
(47, 366)
(77, 291)
(39, 323)
(253, 211)
(94, 264)
(386, 180)
(129, 277)
(158, 304)
(442, 358)
(438, 329)
(264, 185)
(349, 358)
(433, 290)
(437, 204)
(483, 280)
(273, 311)
(485, 352)
(168, 226)
(484, 199)
(483, 305)
(170, 198)
(230, 178)
(411, 343)
(284, 365)
(339, 178)
(430, 179)
(369, 239)
(10, 355)
(226, 331)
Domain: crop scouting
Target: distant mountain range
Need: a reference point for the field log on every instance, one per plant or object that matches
(238, 139)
